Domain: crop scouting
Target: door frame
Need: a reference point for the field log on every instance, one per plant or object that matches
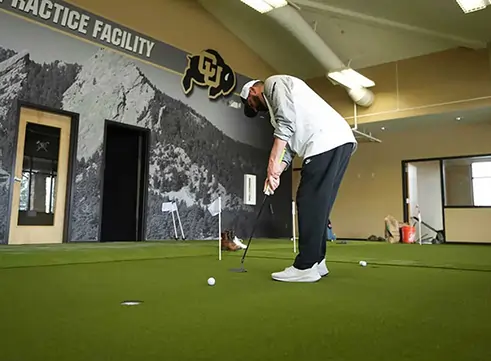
(145, 132)
(72, 158)
(405, 186)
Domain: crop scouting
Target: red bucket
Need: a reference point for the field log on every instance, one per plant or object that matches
(408, 234)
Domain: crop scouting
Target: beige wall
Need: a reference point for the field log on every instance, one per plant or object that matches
(468, 225)
(181, 23)
(372, 188)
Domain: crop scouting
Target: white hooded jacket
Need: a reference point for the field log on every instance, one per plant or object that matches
(308, 124)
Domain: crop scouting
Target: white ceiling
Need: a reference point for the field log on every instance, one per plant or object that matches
(361, 32)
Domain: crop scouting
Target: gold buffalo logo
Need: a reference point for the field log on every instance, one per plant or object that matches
(208, 69)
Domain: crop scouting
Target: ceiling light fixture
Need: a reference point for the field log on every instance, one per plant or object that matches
(350, 79)
(264, 6)
(469, 6)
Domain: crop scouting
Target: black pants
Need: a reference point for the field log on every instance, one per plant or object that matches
(321, 177)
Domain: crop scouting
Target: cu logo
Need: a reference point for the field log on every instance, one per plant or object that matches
(208, 69)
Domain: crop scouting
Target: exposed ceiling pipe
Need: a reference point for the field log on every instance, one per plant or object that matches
(289, 18)
(357, 16)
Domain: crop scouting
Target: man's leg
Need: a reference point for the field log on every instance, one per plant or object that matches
(324, 174)
(340, 164)
(311, 212)
(313, 196)
(312, 200)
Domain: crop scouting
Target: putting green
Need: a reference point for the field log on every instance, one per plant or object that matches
(410, 303)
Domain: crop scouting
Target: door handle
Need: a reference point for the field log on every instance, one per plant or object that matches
(17, 179)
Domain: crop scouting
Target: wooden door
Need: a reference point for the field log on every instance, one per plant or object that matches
(41, 174)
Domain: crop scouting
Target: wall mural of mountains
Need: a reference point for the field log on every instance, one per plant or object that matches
(192, 162)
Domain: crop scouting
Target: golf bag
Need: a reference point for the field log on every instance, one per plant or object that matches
(330, 233)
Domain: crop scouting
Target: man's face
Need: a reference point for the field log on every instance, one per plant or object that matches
(256, 100)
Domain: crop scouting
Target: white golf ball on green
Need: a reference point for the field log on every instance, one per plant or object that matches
(363, 263)
(211, 281)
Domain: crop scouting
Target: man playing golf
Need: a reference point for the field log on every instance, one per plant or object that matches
(304, 125)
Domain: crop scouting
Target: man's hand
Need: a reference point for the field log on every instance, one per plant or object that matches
(270, 185)
(275, 166)
(275, 158)
(274, 182)
(274, 170)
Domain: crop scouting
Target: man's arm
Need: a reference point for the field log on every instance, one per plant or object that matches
(278, 92)
(275, 156)
(280, 147)
(287, 158)
(276, 169)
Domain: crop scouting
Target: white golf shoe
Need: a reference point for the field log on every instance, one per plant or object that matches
(322, 268)
(292, 274)
(239, 243)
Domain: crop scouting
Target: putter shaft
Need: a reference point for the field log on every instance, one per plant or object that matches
(254, 228)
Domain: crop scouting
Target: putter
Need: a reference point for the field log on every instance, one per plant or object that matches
(242, 269)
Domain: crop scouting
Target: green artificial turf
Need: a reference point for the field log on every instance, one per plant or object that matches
(410, 303)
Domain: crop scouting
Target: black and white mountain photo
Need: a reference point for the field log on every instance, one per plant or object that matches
(199, 149)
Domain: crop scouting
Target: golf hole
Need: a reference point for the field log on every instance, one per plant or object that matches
(131, 303)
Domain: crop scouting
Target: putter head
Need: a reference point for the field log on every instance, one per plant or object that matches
(238, 270)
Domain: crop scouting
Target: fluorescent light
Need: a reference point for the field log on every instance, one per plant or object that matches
(469, 6)
(350, 79)
(263, 6)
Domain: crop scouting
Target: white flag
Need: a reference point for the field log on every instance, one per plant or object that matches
(214, 208)
(168, 207)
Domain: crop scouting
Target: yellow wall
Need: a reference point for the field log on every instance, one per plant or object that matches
(372, 187)
(181, 23)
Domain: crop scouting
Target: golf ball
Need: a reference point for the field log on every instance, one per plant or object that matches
(363, 263)
(211, 281)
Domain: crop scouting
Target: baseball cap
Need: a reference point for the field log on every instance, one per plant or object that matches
(244, 94)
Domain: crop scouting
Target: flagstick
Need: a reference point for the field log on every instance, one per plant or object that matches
(419, 226)
(179, 219)
(219, 228)
(174, 222)
(293, 227)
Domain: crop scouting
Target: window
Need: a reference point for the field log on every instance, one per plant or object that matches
(467, 181)
(481, 183)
